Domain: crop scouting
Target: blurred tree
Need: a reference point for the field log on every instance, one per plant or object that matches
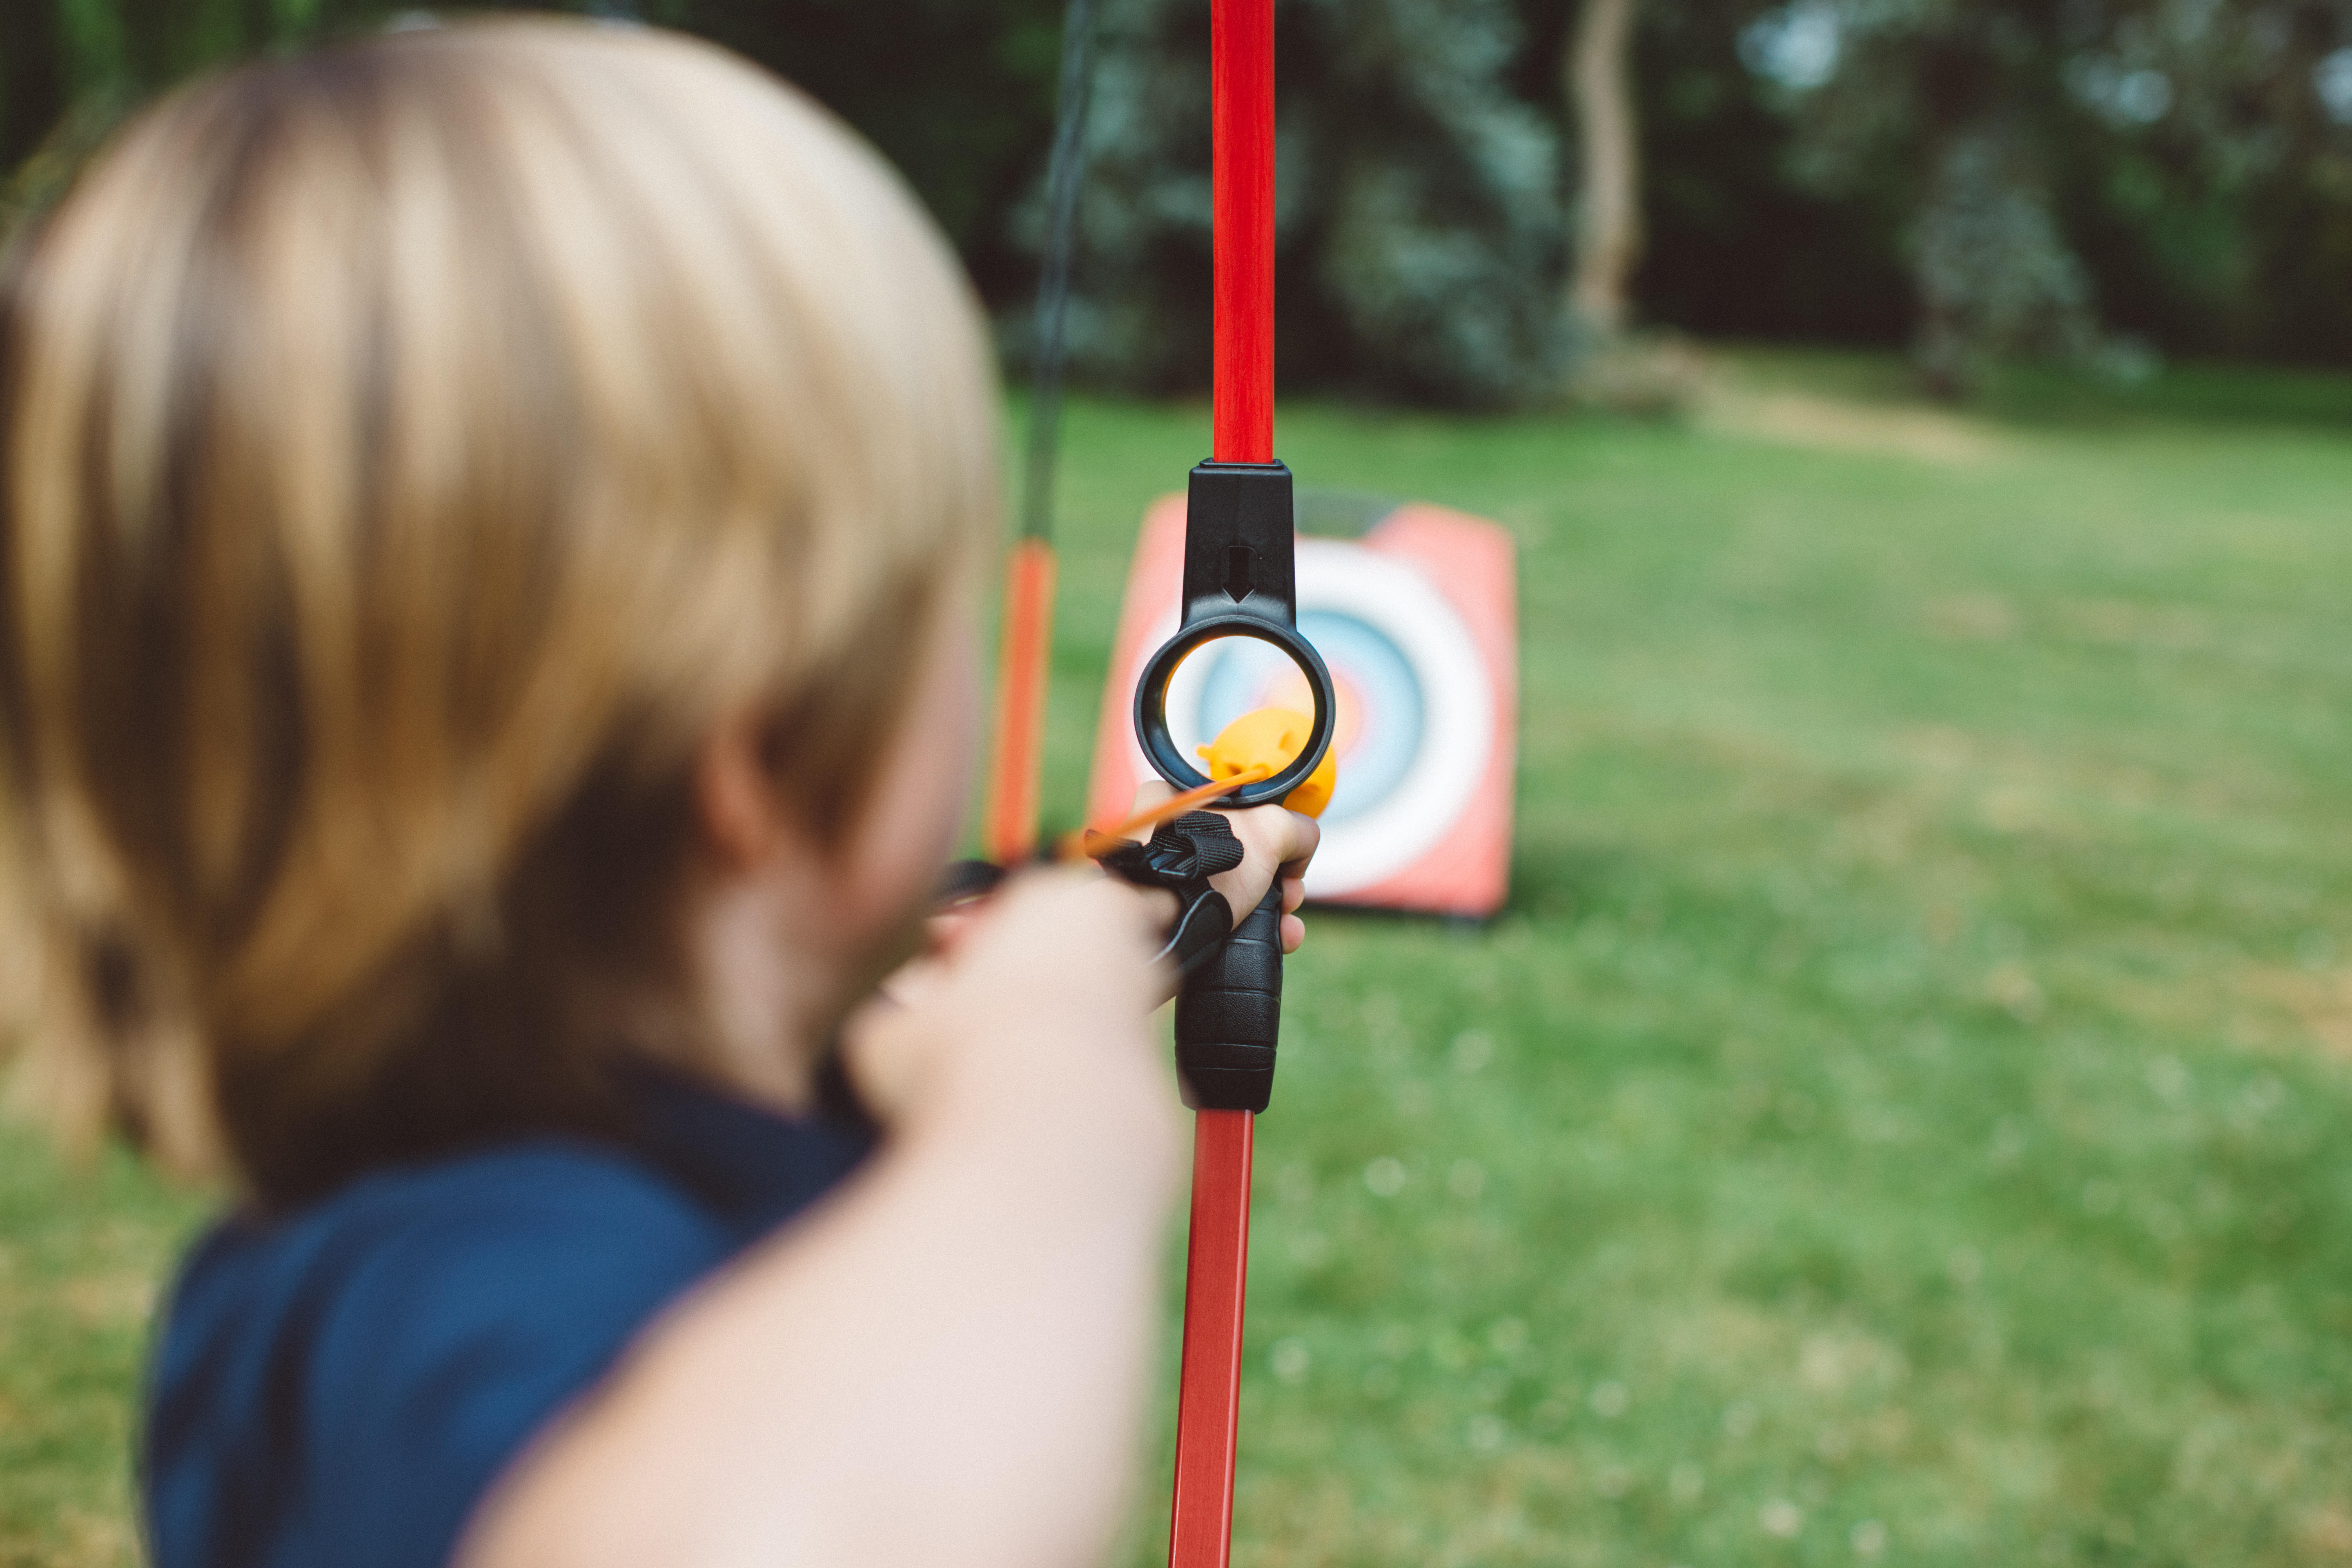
(2187, 131)
(1421, 235)
(1981, 177)
(1959, 104)
(2211, 188)
(1734, 245)
(958, 93)
(1598, 77)
(1422, 227)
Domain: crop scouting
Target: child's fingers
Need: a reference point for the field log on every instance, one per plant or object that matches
(1278, 844)
(1276, 836)
(941, 930)
(1054, 956)
(885, 1059)
(1295, 838)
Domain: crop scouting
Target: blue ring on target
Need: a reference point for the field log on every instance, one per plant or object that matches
(1389, 708)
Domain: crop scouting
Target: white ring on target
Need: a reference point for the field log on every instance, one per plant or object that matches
(1457, 705)
(1457, 712)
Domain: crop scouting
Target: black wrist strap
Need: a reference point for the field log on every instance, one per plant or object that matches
(1182, 858)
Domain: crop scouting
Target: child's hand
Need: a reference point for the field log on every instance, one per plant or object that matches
(1053, 950)
(1277, 842)
(1037, 994)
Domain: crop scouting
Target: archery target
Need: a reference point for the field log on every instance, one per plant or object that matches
(1415, 714)
(1414, 624)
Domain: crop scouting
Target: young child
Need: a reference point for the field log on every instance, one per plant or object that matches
(489, 520)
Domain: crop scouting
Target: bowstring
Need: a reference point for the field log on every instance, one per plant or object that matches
(1064, 173)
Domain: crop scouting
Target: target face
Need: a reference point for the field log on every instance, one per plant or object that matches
(1421, 733)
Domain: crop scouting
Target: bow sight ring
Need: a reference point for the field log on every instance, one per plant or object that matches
(1240, 580)
(1152, 704)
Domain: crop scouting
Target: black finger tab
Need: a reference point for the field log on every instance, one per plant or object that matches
(1182, 858)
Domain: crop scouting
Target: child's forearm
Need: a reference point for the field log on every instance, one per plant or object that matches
(941, 1366)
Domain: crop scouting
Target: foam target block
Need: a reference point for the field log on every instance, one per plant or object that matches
(1418, 620)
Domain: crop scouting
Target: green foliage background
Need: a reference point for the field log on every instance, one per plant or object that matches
(1421, 230)
(958, 93)
(1969, 178)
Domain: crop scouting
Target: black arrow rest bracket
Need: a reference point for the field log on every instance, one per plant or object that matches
(1240, 580)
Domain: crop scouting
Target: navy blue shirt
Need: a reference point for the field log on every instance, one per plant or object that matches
(339, 1385)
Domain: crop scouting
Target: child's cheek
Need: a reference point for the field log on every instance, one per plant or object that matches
(957, 723)
(925, 784)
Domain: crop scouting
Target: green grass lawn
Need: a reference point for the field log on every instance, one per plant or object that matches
(1906, 1114)
(80, 1254)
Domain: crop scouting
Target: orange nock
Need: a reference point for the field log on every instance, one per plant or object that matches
(1269, 740)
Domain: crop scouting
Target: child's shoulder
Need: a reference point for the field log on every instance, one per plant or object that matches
(418, 1244)
(427, 1320)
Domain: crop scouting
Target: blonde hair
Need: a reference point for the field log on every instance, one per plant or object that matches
(408, 453)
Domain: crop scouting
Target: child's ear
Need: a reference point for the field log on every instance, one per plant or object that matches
(742, 818)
